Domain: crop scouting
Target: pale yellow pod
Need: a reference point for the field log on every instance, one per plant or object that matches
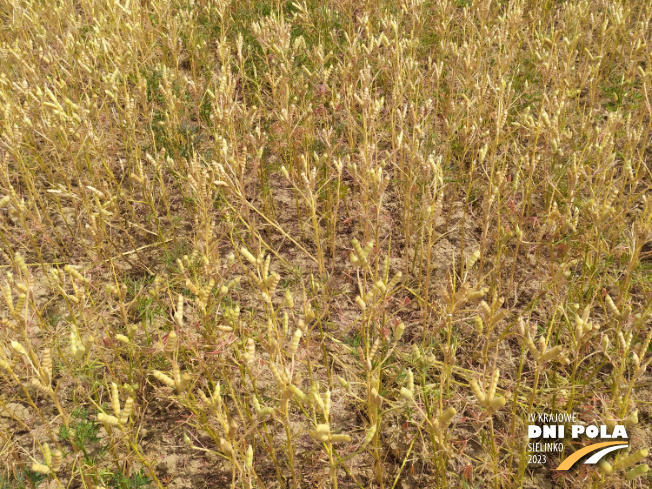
(20, 304)
(374, 348)
(187, 440)
(122, 338)
(327, 405)
(272, 282)
(447, 417)
(126, 411)
(309, 313)
(250, 258)
(39, 385)
(491, 392)
(611, 306)
(398, 331)
(497, 403)
(277, 375)
(323, 428)
(316, 397)
(606, 467)
(57, 458)
(297, 392)
(40, 468)
(46, 366)
(604, 343)
(286, 322)
(632, 459)
(47, 454)
(249, 457)
(637, 472)
(18, 348)
(105, 418)
(416, 352)
(340, 438)
(478, 324)
(370, 435)
(171, 343)
(294, 346)
(551, 354)
(406, 394)
(178, 316)
(477, 392)
(632, 419)
(161, 377)
(315, 435)
(115, 399)
(250, 354)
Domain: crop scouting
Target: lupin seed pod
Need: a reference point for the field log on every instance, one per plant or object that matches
(637, 472)
(632, 419)
(398, 331)
(298, 393)
(477, 392)
(611, 307)
(294, 345)
(272, 282)
(40, 468)
(406, 394)
(277, 375)
(374, 348)
(446, 417)
(416, 353)
(250, 353)
(249, 458)
(178, 315)
(47, 454)
(493, 385)
(370, 435)
(18, 348)
(478, 324)
(18, 309)
(286, 323)
(115, 399)
(105, 418)
(57, 458)
(123, 339)
(606, 467)
(344, 383)
(327, 405)
(36, 383)
(171, 343)
(46, 366)
(250, 258)
(631, 459)
(497, 403)
(161, 377)
(126, 411)
(340, 438)
(314, 392)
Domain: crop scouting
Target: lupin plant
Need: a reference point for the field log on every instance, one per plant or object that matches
(321, 244)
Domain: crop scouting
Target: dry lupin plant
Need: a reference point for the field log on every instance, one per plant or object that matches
(294, 244)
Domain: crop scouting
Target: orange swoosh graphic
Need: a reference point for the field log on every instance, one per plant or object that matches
(570, 461)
